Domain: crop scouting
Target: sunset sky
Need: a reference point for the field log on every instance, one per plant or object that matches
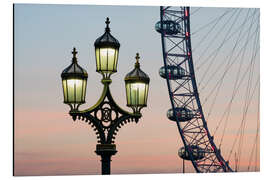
(47, 140)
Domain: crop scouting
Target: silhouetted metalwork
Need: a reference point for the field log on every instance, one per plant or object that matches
(186, 111)
(105, 117)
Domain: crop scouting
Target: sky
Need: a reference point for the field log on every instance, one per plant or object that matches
(47, 141)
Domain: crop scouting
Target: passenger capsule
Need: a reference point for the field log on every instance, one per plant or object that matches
(174, 72)
(197, 153)
(169, 27)
(182, 113)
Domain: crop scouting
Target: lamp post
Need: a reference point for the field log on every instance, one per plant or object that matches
(105, 117)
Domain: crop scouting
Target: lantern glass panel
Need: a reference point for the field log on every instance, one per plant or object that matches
(146, 93)
(115, 60)
(138, 94)
(106, 59)
(84, 90)
(75, 90)
(64, 82)
(128, 94)
(97, 59)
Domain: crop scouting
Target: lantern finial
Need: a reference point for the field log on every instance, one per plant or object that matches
(137, 64)
(107, 29)
(74, 58)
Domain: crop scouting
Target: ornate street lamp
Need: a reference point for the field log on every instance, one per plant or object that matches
(106, 117)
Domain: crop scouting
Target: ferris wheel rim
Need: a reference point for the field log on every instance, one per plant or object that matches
(223, 163)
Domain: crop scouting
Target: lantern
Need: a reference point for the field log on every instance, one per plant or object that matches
(106, 50)
(137, 84)
(74, 79)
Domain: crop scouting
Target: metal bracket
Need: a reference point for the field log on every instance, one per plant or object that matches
(106, 117)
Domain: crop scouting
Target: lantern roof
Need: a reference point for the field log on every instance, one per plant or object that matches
(137, 74)
(107, 39)
(74, 70)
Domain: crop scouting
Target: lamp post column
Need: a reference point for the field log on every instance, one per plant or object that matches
(106, 151)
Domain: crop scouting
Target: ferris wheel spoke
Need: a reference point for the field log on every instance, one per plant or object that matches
(218, 34)
(195, 11)
(216, 20)
(239, 39)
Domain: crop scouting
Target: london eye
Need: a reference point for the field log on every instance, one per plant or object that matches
(197, 78)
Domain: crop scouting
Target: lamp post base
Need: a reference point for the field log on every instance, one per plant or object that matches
(106, 151)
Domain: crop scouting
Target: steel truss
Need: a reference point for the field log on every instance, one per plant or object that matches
(183, 92)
